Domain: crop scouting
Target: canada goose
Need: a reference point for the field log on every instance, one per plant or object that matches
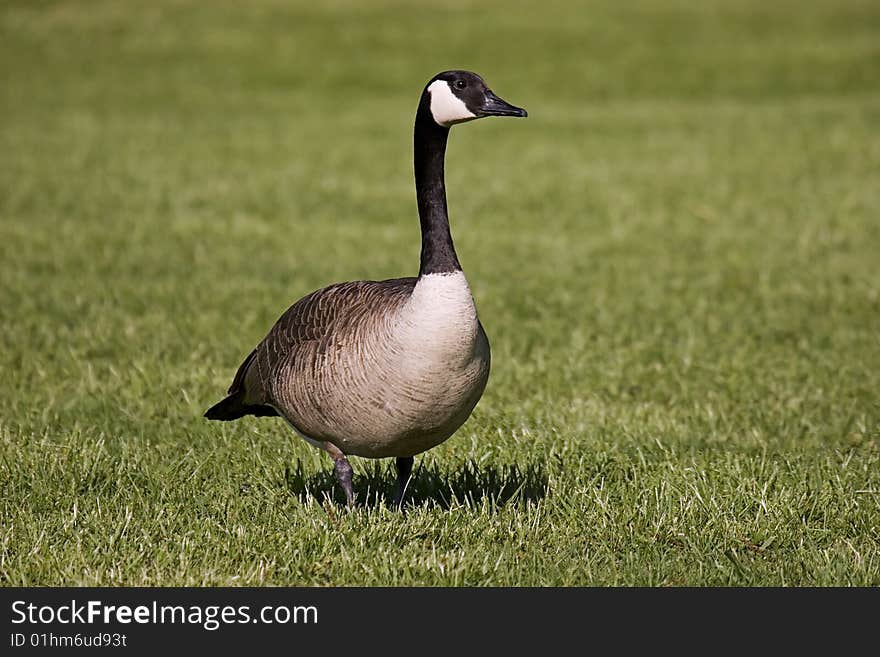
(383, 368)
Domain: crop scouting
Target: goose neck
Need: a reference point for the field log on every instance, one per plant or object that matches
(438, 252)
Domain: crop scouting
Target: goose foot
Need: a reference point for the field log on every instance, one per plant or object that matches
(404, 470)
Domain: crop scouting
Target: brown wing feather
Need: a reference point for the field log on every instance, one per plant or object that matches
(314, 318)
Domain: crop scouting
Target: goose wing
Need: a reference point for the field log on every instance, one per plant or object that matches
(309, 327)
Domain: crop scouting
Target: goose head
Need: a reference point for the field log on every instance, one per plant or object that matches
(458, 96)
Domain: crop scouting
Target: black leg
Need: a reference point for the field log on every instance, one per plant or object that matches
(343, 471)
(404, 470)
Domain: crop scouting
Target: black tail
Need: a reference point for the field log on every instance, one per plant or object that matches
(232, 408)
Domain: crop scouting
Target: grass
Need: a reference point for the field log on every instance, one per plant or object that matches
(674, 256)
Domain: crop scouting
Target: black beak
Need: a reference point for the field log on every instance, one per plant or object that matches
(494, 106)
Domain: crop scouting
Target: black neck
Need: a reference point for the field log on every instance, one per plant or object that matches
(438, 253)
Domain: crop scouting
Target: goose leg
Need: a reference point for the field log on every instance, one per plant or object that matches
(404, 470)
(343, 471)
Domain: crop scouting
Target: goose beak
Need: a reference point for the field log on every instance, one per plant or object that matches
(495, 106)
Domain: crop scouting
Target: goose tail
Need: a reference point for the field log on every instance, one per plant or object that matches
(232, 408)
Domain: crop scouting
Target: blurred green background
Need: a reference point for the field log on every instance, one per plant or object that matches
(675, 258)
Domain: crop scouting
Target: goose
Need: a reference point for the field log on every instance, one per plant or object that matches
(383, 369)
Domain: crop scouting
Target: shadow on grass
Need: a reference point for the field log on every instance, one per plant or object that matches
(430, 485)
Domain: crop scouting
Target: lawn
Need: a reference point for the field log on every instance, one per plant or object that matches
(675, 258)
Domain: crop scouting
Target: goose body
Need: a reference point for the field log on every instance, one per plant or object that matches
(383, 368)
(374, 384)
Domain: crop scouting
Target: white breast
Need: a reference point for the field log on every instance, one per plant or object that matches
(440, 319)
(441, 299)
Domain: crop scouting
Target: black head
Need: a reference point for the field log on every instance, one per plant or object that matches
(458, 96)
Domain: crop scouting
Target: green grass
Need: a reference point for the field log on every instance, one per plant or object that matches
(675, 258)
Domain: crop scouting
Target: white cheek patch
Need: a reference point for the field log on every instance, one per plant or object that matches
(446, 107)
